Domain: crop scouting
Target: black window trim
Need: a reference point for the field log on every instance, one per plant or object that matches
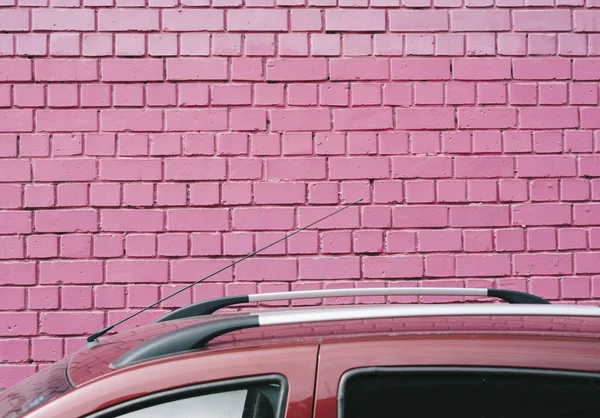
(206, 388)
(453, 369)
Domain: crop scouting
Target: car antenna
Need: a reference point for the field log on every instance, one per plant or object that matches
(103, 331)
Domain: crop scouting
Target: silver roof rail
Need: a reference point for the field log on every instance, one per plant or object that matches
(196, 336)
(212, 305)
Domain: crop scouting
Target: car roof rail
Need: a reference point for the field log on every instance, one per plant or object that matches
(198, 335)
(212, 305)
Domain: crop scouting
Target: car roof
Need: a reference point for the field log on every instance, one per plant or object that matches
(97, 360)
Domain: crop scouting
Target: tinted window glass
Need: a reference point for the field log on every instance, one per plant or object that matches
(489, 393)
(255, 401)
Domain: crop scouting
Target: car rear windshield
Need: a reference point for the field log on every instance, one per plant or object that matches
(36, 390)
(466, 393)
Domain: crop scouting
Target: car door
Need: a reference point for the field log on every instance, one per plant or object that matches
(466, 376)
(267, 382)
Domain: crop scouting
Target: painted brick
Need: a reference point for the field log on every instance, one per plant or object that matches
(547, 264)
(319, 268)
(263, 218)
(362, 119)
(355, 20)
(119, 69)
(541, 214)
(297, 69)
(59, 19)
(66, 220)
(257, 20)
(420, 69)
(480, 20)
(137, 271)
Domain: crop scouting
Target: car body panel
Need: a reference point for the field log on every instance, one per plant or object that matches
(284, 349)
(297, 363)
(520, 351)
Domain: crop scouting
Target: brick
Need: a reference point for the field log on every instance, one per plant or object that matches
(267, 269)
(547, 264)
(263, 218)
(144, 69)
(136, 120)
(586, 20)
(16, 324)
(546, 166)
(586, 214)
(124, 169)
(279, 193)
(358, 167)
(362, 119)
(15, 69)
(59, 19)
(484, 265)
(425, 118)
(359, 69)
(349, 20)
(479, 216)
(196, 168)
(541, 20)
(420, 69)
(418, 20)
(440, 240)
(538, 214)
(479, 20)
(482, 69)
(549, 118)
(67, 169)
(484, 166)
(589, 117)
(586, 69)
(205, 69)
(66, 220)
(295, 168)
(185, 20)
(542, 68)
(131, 220)
(67, 120)
(487, 118)
(123, 20)
(17, 272)
(587, 263)
(421, 167)
(71, 272)
(300, 120)
(15, 171)
(297, 69)
(192, 270)
(196, 119)
(16, 121)
(257, 20)
(394, 266)
(197, 220)
(66, 69)
(319, 268)
(415, 216)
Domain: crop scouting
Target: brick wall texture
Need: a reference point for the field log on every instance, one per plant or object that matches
(147, 142)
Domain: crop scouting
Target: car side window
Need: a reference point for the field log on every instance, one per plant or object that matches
(231, 400)
(467, 393)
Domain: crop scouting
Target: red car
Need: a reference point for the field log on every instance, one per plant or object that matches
(527, 358)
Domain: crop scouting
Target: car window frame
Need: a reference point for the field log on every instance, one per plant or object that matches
(200, 389)
(446, 349)
(399, 370)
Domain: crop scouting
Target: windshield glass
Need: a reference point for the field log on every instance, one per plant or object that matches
(43, 386)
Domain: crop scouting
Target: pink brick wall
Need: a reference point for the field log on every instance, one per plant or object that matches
(145, 143)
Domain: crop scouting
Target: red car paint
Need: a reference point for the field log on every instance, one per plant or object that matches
(321, 352)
